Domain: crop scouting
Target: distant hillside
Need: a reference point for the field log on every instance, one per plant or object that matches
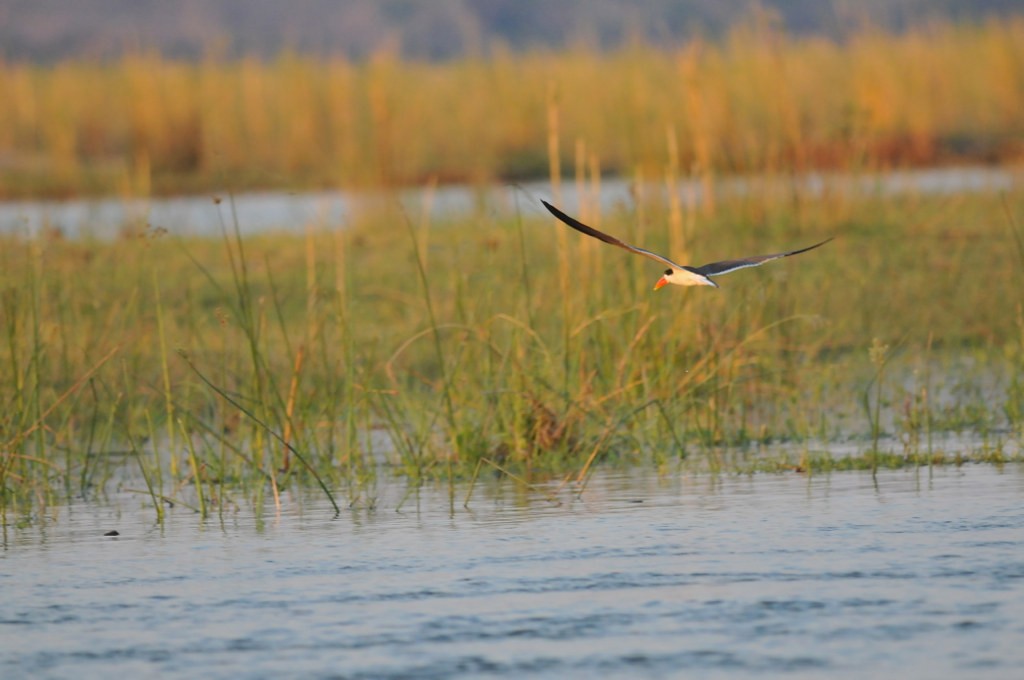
(44, 30)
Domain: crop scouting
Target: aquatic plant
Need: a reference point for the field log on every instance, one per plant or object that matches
(217, 373)
(449, 350)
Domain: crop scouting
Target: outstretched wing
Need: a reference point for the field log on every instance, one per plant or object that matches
(726, 266)
(601, 236)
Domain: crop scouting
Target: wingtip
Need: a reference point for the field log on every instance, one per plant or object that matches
(553, 210)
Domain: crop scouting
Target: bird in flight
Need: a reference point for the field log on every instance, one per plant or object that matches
(679, 274)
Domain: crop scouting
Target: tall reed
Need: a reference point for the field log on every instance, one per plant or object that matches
(759, 100)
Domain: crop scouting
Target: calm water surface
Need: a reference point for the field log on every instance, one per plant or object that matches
(258, 212)
(645, 576)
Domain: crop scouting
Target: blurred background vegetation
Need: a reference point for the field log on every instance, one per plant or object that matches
(756, 98)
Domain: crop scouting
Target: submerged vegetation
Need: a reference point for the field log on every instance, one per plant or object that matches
(758, 101)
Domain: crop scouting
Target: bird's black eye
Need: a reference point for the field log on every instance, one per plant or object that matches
(668, 272)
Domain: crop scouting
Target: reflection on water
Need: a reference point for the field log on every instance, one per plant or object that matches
(644, 577)
(258, 212)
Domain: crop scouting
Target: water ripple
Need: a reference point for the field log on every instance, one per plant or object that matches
(753, 576)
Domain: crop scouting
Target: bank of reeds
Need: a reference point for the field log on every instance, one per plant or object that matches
(757, 101)
(219, 372)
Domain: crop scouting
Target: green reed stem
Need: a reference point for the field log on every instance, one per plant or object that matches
(446, 387)
(157, 506)
(164, 367)
(194, 464)
(301, 458)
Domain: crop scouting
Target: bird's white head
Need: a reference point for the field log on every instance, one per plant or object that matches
(684, 277)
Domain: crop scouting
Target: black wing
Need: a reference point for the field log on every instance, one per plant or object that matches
(726, 266)
(601, 236)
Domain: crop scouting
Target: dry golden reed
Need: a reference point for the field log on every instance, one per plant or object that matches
(758, 100)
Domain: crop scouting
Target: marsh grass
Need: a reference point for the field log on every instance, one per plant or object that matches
(218, 374)
(232, 371)
(758, 101)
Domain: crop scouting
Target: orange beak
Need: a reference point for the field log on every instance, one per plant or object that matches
(661, 282)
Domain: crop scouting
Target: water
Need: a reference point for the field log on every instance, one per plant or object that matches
(645, 577)
(259, 212)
